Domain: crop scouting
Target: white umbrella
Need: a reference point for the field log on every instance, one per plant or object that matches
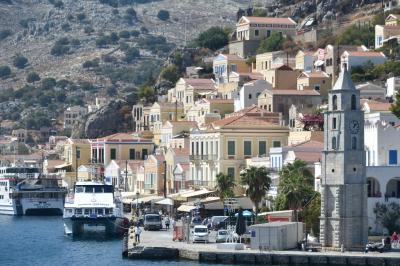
(166, 201)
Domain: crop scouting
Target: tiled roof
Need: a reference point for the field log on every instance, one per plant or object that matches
(376, 106)
(122, 137)
(315, 74)
(271, 20)
(198, 82)
(310, 144)
(247, 120)
(252, 75)
(364, 54)
(309, 157)
(294, 92)
(80, 141)
(181, 151)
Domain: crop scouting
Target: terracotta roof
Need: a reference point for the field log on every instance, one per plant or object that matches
(376, 106)
(315, 74)
(309, 157)
(294, 92)
(284, 67)
(181, 151)
(220, 101)
(247, 120)
(368, 53)
(252, 75)
(310, 144)
(122, 137)
(197, 82)
(271, 20)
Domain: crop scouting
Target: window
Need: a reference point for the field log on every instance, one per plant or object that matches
(256, 32)
(334, 102)
(354, 143)
(353, 102)
(334, 123)
(144, 154)
(231, 171)
(233, 67)
(132, 154)
(113, 154)
(392, 157)
(250, 96)
(276, 144)
(334, 143)
(262, 148)
(247, 148)
(317, 87)
(231, 148)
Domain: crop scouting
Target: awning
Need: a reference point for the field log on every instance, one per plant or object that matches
(61, 166)
(166, 201)
(146, 199)
(186, 208)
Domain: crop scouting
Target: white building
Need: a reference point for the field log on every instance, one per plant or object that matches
(392, 86)
(352, 59)
(370, 90)
(249, 92)
(73, 115)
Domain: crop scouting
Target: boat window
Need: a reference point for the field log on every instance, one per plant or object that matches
(78, 211)
(99, 211)
(88, 211)
(79, 189)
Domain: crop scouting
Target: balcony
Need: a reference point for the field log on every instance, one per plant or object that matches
(198, 157)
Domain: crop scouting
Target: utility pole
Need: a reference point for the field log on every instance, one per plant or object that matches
(77, 156)
(126, 176)
(165, 178)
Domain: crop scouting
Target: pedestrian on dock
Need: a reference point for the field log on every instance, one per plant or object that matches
(138, 231)
(167, 223)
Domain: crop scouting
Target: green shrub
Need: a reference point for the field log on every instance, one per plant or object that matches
(32, 77)
(171, 73)
(124, 34)
(60, 47)
(131, 54)
(20, 61)
(48, 83)
(5, 72)
(65, 27)
(144, 30)
(163, 15)
(91, 63)
(88, 30)
(271, 43)
(135, 33)
(214, 38)
(75, 42)
(58, 4)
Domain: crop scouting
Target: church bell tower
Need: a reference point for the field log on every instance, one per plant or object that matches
(343, 219)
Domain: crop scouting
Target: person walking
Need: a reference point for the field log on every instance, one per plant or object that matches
(167, 223)
(138, 231)
(395, 240)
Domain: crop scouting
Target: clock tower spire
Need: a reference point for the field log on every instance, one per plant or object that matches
(343, 182)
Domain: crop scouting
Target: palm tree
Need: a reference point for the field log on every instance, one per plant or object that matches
(258, 182)
(225, 185)
(296, 185)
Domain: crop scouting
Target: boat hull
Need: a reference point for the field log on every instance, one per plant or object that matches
(7, 209)
(114, 226)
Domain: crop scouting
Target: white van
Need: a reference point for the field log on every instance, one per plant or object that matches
(200, 233)
(152, 221)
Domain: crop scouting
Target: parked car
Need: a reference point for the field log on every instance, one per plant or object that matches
(152, 221)
(195, 221)
(222, 236)
(207, 222)
(200, 234)
(219, 222)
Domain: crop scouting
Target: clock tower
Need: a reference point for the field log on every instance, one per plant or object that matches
(343, 219)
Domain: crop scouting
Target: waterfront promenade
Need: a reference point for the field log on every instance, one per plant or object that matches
(161, 242)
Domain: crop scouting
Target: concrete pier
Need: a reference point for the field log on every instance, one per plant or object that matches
(158, 245)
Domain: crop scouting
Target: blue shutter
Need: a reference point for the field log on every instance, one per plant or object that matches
(393, 157)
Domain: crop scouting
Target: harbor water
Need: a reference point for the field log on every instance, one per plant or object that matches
(39, 240)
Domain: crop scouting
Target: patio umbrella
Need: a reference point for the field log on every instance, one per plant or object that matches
(245, 214)
(240, 224)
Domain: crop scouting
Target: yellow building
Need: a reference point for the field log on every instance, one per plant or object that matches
(172, 129)
(282, 78)
(161, 113)
(188, 90)
(225, 144)
(175, 156)
(120, 146)
(206, 110)
(153, 170)
(305, 60)
(76, 153)
(316, 80)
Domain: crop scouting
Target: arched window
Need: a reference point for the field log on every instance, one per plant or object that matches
(354, 143)
(334, 102)
(353, 102)
(334, 143)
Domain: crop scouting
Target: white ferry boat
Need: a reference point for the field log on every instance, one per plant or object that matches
(24, 191)
(94, 204)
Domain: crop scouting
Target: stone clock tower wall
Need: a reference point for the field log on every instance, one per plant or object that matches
(344, 184)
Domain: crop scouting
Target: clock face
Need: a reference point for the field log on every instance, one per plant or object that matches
(354, 126)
